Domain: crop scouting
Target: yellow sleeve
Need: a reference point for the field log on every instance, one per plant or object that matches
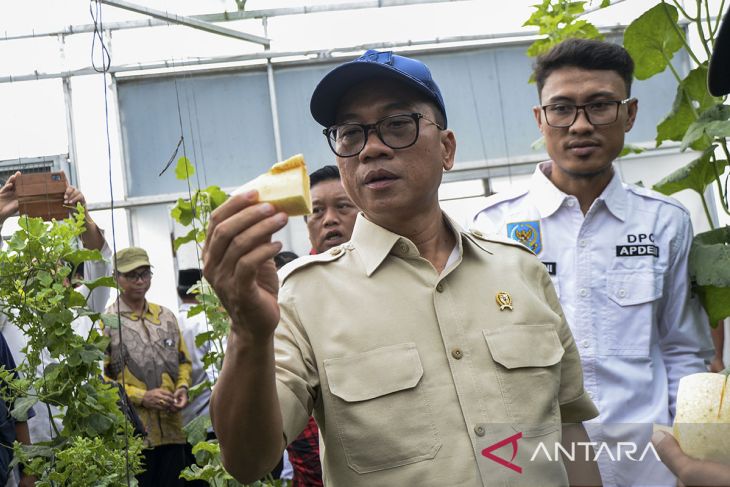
(135, 394)
(185, 369)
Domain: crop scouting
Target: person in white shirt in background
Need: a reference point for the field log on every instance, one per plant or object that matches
(190, 327)
(617, 253)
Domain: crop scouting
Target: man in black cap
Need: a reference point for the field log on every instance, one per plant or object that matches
(439, 357)
(688, 470)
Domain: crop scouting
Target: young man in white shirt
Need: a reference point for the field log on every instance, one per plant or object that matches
(617, 253)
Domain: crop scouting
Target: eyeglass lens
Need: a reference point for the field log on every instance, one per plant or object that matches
(598, 113)
(135, 276)
(397, 132)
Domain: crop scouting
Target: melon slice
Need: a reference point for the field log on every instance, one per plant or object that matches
(285, 185)
(702, 422)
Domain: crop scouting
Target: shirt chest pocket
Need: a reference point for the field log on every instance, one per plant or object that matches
(528, 370)
(630, 311)
(382, 416)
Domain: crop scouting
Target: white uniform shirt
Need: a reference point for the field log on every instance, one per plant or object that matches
(620, 272)
(190, 327)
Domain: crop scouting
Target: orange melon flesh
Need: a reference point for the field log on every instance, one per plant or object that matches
(702, 421)
(285, 185)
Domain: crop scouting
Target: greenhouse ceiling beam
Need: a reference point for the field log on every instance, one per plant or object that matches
(227, 17)
(312, 56)
(203, 25)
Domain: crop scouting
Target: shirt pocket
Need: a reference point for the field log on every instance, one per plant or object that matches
(628, 316)
(382, 416)
(528, 370)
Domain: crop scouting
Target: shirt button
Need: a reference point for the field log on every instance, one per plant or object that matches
(622, 293)
(583, 292)
(440, 287)
(585, 344)
(479, 430)
(591, 395)
(336, 251)
(570, 203)
(457, 353)
(582, 243)
(403, 247)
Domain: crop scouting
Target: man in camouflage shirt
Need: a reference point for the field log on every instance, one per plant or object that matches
(150, 355)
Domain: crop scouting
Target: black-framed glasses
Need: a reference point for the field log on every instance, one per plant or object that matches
(136, 276)
(562, 115)
(396, 131)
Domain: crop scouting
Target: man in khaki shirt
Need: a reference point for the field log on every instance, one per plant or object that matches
(428, 355)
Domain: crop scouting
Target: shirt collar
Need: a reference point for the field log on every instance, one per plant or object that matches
(548, 198)
(151, 311)
(615, 197)
(374, 243)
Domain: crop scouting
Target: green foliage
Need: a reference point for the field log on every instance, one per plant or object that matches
(696, 175)
(712, 280)
(711, 124)
(558, 20)
(653, 39)
(630, 149)
(692, 96)
(183, 169)
(86, 461)
(34, 283)
(208, 454)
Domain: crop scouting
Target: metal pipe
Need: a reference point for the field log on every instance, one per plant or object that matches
(228, 16)
(321, 55)
(187, 21)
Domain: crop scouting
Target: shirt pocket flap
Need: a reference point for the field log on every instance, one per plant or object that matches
(374, 373)
(636, 287)
(517, 346)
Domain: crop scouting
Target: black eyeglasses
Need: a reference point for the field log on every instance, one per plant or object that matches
(135, 276)
(562, 115)
(396, 131)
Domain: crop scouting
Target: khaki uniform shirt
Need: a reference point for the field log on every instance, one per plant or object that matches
(411, 375)
(155, 356)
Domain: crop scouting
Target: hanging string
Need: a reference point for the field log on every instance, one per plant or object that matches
(198, 258)
(504, 128)
(191, 84)
(202, 152)
(96, 15)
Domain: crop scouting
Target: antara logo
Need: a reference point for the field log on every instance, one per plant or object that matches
(487, 452)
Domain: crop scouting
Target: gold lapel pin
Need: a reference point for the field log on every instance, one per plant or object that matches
(504, 300)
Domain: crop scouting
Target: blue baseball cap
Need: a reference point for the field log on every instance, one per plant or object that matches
(334, 85)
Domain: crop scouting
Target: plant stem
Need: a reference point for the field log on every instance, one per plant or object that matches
(719, 18)
(710, 32)
(713, 163)
(680, 33)
(720, 189)
(681, 9)
(679, 82)
(700, 30)
(707, 211)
